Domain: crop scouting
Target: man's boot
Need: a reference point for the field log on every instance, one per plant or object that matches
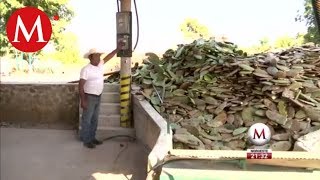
(96, 142)
(89, 145)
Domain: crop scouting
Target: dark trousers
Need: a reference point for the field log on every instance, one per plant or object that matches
(89, 120)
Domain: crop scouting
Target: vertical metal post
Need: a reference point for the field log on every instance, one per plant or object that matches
(125, 80)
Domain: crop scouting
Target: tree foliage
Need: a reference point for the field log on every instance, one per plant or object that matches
(285, 42)
(193, 29)
(264, 45)
(282, 42)
(67, 51)
(50, 7)
(308, 16)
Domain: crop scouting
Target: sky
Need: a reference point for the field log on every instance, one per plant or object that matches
(243, 22)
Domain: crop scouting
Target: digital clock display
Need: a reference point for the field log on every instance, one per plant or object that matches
(259, 154)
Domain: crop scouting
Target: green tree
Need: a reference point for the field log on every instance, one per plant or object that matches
(50, 7)
(263, 46)
(67, 50)
(193, 29)
(308, 16)
(300, 39)
(285, 42)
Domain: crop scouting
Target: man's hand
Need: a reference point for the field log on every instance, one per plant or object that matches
(114, 52)
(120, 45)
(110, 55)
(84, 103)
(83, 97)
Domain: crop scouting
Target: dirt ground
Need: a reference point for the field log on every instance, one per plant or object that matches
(32, 154)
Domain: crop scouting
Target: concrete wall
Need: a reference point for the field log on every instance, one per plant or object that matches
(48, 105)
(152, 130)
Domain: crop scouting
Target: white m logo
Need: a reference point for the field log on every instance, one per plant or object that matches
(27, 36)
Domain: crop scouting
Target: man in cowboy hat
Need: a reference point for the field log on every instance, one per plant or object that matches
(90, 90)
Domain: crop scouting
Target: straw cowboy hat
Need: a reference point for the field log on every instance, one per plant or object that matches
(92, 51)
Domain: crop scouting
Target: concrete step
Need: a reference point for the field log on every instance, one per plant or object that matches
(111, 87)
(110, 97)
(110, 109)
(107, 132)
(107, 109)
(107, 121)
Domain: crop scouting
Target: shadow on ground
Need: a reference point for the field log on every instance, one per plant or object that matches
(31, 154)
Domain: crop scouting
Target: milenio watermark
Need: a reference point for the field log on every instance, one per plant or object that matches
(259, 135)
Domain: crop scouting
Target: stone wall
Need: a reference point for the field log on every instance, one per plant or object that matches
(39, 105)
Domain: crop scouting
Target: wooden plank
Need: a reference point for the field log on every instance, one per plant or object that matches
(230, 154)
(279, 158)
(298, 163)
(190, 174)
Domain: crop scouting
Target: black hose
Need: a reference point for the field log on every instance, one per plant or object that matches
(118, 6)
(164, 162)
(132, 138)
(138, 28)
